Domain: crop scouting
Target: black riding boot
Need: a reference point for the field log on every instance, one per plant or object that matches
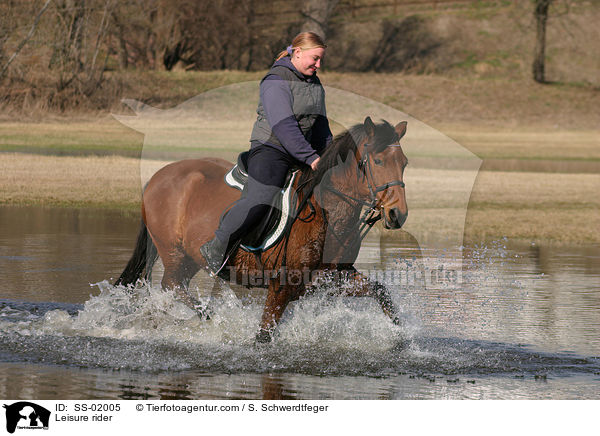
(214, 253)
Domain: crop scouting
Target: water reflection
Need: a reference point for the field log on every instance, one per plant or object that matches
(45, 383)
(54, 254)
(545, 297)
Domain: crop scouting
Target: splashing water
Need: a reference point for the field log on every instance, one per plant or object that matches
(148, 329)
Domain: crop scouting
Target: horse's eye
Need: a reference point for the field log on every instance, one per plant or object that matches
(378, 162)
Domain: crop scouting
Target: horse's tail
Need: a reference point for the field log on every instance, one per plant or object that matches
(142, 260)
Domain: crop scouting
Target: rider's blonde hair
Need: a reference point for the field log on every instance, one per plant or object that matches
(303, 41)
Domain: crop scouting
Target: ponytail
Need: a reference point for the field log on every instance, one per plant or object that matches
(303, 41)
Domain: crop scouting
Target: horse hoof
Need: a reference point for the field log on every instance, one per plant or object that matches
(401, 345)
(397, 321)
(204, 313)
(263, 337)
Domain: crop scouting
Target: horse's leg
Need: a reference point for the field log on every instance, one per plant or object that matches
(278, 297)
(179, 270)
(363, 287)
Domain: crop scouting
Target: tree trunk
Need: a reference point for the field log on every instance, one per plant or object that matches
(541, 17)
(24, 41)
(76, 31)
(251, 40)
(316, 16)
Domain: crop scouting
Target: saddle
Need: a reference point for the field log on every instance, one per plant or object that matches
(281, 213)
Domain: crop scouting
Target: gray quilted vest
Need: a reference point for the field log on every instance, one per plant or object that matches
(308, 104)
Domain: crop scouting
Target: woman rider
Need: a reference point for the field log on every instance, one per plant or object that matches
(291, 129)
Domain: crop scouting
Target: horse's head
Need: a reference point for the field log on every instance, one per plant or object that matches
(382, 162)
(364, 166)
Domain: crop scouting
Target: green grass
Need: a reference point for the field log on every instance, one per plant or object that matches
(70, 137)
(469, 61)
(110, 137)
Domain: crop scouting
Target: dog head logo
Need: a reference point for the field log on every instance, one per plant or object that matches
(26, 415)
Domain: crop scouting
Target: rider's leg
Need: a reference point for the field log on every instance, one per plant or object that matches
(267, 170)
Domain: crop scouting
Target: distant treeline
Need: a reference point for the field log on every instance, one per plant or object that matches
(62, 50)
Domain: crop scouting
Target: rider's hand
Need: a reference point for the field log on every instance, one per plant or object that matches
(315, 163)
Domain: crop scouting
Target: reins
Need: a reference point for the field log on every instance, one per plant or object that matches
(368, 218)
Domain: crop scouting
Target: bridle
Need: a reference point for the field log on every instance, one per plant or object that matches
(374, 212)
(374, 190)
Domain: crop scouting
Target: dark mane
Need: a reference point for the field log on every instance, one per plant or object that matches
(344, 143)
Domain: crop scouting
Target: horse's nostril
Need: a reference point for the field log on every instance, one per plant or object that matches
(395, 218)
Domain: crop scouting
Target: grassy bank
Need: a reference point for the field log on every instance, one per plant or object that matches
(103, 182)
(104, 136)
(540, 147)
(540, 207)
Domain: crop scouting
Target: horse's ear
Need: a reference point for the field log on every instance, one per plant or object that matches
(401, 129)
(369, 127)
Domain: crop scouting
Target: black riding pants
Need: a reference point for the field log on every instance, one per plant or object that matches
(267, 170)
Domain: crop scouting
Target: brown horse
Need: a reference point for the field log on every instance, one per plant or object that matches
(182, 204)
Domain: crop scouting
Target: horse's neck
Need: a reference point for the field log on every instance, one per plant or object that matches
(342, 212)
(342, 226)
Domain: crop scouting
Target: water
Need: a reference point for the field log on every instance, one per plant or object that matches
(525, 323)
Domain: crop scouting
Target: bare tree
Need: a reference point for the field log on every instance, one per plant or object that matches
(200, 34)
(220, 34)
(24, 41)
(79, 39)
(316, 15)
(404, 45)
(539, 60)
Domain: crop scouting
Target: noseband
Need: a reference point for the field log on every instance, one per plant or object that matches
(373, 213)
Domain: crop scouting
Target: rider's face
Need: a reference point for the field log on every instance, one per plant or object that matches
(308, 61)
